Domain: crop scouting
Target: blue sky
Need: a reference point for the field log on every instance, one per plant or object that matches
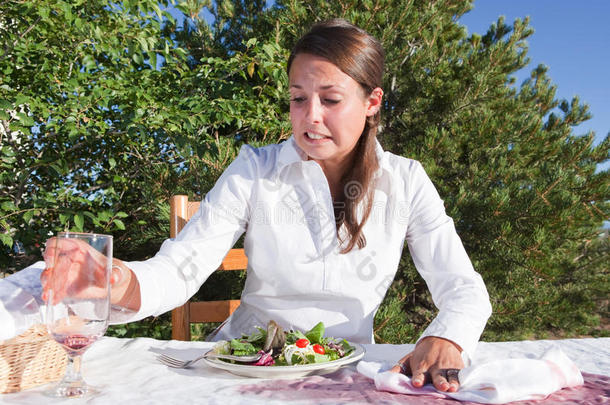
(572, 38)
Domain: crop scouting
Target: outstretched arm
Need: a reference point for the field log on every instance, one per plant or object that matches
(457, 290)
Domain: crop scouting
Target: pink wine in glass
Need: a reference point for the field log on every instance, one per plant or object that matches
(75, 344)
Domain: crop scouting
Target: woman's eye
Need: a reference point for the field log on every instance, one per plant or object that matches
(297, 99)
(331, 101)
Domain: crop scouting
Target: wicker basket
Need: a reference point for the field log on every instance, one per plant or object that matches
(29, 360)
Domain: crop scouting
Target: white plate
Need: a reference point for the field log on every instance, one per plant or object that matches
(297, 371)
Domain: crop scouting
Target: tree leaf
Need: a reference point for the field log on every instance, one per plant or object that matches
(6, 239)
(79, 221)
(8, 206)
(119, 224)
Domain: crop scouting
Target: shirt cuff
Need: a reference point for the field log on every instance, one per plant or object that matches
(150, 298)
(464, 332)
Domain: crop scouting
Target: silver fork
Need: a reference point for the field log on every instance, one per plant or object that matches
(177, 363)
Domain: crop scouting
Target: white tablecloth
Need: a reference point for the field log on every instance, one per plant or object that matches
(126, 371)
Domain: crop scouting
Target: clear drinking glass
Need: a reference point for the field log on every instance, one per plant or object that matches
(78, 301)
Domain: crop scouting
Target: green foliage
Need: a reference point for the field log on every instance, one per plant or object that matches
(152, 327)
(75, 86)
(106, 111)
(93, 136)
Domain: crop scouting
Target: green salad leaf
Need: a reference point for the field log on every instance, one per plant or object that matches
(316, 333)
(294, 335)
(257, 338)
(318, 358)
(242, 348)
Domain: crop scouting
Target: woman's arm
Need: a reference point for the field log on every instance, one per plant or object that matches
(457, 290)
(182, 264)
(175, 273)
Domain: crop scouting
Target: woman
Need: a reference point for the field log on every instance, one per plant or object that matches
(325, 216)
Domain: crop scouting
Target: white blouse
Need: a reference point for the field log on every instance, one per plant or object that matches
(296, 275)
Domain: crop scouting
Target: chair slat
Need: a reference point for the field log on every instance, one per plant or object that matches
(181, 329)
(181, 210)
(234, 260)
(212, 311)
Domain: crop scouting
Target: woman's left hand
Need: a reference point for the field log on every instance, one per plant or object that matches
(435, 360)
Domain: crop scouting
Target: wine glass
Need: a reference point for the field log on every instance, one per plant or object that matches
(78, 300)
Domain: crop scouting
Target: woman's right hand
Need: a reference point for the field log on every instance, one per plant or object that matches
(64, 259)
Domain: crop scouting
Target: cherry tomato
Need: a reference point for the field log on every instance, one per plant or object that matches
(318, 349)
(301, 343)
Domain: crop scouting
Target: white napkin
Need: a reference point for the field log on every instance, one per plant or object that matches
(20, 300)
(494, 382)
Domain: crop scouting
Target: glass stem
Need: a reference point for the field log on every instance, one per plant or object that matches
(73, 369)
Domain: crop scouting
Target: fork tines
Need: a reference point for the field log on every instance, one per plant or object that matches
(172, 362)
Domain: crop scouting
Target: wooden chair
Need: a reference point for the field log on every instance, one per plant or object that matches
(181, 210)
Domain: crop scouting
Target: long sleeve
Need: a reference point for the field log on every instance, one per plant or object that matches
(182, 264)
(437, 251)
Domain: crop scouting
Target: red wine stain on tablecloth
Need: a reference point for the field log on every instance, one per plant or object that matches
(348, 386)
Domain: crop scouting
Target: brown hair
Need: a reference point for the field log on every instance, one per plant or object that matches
(359, 55)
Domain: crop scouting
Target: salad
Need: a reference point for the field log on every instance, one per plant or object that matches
(286, 348)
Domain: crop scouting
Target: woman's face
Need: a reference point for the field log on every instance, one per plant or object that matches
(328, 110)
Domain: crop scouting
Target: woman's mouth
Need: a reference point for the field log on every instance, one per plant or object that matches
(314, 136)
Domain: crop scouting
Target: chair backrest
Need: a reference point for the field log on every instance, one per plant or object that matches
(181, 210)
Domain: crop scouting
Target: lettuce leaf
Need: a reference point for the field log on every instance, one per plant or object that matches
(294, 335)
(242, 348)
(316, 334)
(317, 358)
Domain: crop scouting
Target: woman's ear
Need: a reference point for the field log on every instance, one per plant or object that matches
(374, 102)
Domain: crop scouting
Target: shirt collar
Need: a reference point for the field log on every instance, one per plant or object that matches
(290, 153)
(379, 152)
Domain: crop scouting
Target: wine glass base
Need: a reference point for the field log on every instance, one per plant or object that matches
(71, 391)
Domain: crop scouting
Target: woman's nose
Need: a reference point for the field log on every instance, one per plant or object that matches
(314, 110)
